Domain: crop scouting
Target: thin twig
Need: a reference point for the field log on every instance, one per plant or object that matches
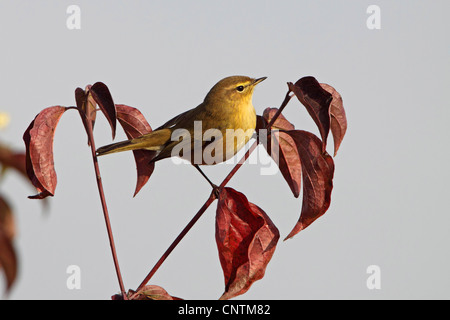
(104, 206)
(186, 229)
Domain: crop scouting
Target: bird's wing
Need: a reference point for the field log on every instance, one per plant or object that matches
(185, 121)
(174, 121)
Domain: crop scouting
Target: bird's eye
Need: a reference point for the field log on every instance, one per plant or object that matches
(240, 88)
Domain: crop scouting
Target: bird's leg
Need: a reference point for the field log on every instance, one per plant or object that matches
(215, 187)
(205, 176)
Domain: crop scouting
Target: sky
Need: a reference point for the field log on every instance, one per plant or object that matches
(388, 209)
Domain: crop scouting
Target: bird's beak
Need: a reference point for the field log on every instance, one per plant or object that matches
(256, 81)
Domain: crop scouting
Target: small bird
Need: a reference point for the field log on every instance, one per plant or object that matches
(211, 133)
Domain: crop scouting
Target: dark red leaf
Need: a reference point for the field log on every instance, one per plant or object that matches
(38, 140)
(283, 151)
(338, 118)
(281, 147)
(6, 219)
(80, 98)
(317, 102)
(151, 292)
(13, 159)
(135, 125)
(246, 239)
(317, 171)
(101, 95)
(260, 129)
(8, 259)
(260, 123)
(86, 105)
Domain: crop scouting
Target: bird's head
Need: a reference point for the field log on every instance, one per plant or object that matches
(234, 90)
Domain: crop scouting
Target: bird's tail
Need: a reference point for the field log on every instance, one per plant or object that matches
(151, 141)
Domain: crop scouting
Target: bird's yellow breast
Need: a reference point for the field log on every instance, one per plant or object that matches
(236, 126)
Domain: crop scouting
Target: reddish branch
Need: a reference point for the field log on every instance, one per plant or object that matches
(104, 207)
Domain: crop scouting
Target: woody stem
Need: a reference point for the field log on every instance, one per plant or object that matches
(90, 134)
(186, 229)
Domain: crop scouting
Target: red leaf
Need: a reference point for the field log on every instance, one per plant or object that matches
(260, 123)
(151, 292)
(338, 118)
(8, 259)
(246, 239)
(86, 106)
(135, 125)
(318, 171)
(6, 219)
(38, 140)
(288, 159)
(281, 147)
(317, 101)
(12, 159)
(100, 93)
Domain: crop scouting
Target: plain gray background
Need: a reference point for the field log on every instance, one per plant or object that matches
(389, 203)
